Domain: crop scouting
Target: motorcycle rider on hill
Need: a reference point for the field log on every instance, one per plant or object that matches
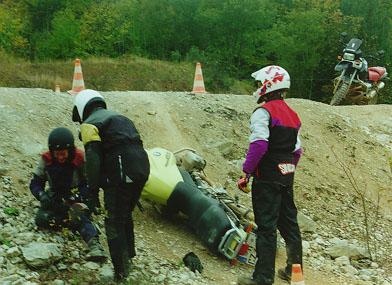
(273, 154)
(62, 168)
(117, 163)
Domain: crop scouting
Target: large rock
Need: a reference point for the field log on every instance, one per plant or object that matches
(106, 274)
(306, 224)
(38, 254)
(343, 248)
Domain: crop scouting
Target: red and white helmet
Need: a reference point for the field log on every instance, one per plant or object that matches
(270, 78)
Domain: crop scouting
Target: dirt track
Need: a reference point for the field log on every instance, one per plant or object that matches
(217, 127)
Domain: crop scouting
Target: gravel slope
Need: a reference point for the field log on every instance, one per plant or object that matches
(217, 127)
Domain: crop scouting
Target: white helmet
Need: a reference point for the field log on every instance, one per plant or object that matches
(81, 102)
(271, 78)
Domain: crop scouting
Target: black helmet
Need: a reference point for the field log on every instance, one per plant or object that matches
(61, 138)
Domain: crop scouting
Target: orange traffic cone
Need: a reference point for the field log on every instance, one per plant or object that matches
(57, 88)
(77, 83)
(198, 83)
(297, 277)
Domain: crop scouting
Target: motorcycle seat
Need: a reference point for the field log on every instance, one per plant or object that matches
(376, 73)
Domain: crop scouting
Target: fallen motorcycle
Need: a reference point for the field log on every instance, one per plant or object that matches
(178, 183)
(357, 84)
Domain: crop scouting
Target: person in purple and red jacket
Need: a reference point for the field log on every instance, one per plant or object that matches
(272, 157)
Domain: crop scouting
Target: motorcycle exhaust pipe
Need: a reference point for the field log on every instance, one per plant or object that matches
(380, 85)
(374, 92)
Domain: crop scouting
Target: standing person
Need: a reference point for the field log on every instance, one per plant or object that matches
(273, 154)
(117, 163)
(62, 168)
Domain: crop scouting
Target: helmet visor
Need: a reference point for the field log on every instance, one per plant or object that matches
(75, 115)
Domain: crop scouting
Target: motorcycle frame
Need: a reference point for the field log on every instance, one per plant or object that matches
(347, 65)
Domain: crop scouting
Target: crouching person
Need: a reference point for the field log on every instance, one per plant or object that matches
(62, 167)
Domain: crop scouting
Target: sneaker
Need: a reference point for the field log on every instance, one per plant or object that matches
(248, 281)
(282, 274)
(95, 252)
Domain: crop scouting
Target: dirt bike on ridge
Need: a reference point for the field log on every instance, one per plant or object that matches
(357, 83)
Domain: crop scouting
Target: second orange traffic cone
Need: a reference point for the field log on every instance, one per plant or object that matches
(198, 83)
(297, 277)
(78, 82)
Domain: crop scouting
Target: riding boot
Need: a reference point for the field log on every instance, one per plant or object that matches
(294, 256)
(117, 244)
(130, 236)
(121, 265)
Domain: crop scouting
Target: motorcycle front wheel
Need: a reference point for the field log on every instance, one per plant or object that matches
(340, 94)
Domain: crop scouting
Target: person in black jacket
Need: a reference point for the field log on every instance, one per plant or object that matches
(117, 163)
(62, 167)
(272, 157)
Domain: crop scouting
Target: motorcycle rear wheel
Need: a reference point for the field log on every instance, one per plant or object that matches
(340, 94)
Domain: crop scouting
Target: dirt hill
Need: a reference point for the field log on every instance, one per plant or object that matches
(359, 137)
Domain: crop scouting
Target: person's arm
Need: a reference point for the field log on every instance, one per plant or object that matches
(82, 182)
(37, 183)
(258, 140)
(88, 196)
(258, 146)
(93, 150)
(93, 164)
(298, 150)
(94, 157)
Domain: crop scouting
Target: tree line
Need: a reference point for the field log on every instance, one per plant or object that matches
(232, 38)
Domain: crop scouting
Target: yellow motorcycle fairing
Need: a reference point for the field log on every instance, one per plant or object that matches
(163, 178)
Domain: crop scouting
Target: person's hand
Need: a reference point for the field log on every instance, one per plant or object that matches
(44, 198)
(193, 262)
(242, 183)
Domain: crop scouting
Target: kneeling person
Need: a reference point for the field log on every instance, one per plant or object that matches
(62, 168)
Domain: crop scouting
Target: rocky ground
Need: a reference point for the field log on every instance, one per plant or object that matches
(339, 142)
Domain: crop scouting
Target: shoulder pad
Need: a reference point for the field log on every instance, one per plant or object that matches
(47, 157)
(79, 158)
(89, 133)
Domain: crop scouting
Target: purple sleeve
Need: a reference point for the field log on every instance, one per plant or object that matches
(297, 155)
(255, 152)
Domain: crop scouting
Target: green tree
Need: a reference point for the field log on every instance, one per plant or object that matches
(303, 43)
(236, 38)
(63, 41)
(12, 38)
(106, 29)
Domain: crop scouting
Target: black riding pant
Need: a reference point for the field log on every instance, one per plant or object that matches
(274, 208)
(119, 204)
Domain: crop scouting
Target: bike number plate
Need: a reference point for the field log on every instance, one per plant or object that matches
(250, 256)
